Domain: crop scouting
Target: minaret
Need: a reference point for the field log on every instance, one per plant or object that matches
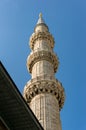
(44, 93)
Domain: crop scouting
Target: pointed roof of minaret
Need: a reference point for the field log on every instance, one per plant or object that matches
(41, 21)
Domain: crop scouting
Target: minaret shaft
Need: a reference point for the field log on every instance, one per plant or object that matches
(42, 68)
(46, 109)
(43, 93)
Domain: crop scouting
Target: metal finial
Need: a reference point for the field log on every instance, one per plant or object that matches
(40, 15)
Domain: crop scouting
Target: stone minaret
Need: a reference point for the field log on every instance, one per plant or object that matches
(44, 93)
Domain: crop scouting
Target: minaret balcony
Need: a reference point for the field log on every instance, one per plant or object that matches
(53, 87)
(41, 36)
(42, 55)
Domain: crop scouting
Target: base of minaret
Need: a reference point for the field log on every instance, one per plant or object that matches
(46, 109)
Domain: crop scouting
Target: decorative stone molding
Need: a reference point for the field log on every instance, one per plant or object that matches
(42, 55)
(42, 77)
(45, 86)
(41, 35)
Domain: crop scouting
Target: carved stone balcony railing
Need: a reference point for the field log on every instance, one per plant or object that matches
(43, 86)
(42, 55)
(41, 35)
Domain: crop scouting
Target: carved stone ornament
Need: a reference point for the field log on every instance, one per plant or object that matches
(35, 87)
(41, 35)
(42, 55)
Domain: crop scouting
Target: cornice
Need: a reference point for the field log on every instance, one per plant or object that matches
(40, 36)
(42, 55)
(54, 88)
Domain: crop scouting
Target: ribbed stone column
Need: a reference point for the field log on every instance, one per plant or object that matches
(46, 108)
(43, 93)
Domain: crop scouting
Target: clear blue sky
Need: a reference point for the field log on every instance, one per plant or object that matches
(66, 20)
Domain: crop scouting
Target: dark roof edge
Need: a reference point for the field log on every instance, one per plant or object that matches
(4, 123)
(21, 97)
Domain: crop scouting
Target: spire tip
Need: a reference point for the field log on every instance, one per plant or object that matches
(40, 15)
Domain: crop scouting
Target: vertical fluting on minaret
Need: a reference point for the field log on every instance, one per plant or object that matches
(43, 93)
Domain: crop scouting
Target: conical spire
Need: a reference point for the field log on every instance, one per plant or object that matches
(40, 20)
